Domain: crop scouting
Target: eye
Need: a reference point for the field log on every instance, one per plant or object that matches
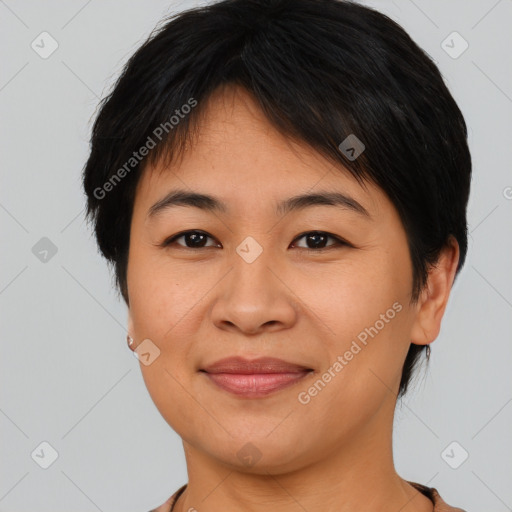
(192, 240)
(318, 239)
(315, 240)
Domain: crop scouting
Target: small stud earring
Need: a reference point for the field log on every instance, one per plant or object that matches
(129, 340)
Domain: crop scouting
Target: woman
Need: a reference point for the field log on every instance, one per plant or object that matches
(281, 187)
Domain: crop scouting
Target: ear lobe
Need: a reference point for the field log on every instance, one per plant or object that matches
(434, 298)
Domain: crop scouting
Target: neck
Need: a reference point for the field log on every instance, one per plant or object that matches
(358, 475)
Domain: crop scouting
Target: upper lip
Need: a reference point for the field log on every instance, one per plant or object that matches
(240, 365)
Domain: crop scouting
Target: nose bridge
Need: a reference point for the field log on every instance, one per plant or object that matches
(251, 273)
(252, 297)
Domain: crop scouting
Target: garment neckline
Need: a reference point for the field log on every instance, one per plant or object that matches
(429, 492)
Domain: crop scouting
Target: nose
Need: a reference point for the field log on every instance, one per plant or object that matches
(254, 298)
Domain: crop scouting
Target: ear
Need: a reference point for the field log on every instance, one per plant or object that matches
(434, 297)
(130, 324)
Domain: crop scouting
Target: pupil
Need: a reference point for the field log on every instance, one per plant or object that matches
(194, 237)
(315, 237)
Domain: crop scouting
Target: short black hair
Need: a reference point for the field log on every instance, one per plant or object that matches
(320, 70)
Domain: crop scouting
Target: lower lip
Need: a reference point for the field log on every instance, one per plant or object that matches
(255, 385)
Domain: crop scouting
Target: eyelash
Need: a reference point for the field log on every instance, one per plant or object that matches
(339, 241)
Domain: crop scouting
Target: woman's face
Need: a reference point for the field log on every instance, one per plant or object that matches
(253, 284)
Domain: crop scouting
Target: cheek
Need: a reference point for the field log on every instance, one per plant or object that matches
(351, 296)
(162, 309)
(365, 308)
(163, 296)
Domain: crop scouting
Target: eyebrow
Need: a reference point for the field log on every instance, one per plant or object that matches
(212, 204)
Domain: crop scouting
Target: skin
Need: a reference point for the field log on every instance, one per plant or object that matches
(200, 305)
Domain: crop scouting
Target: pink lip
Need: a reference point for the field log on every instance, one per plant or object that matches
(254, 378)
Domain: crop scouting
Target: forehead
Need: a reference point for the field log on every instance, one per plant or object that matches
(237, 154)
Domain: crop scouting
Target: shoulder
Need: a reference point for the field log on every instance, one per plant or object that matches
(439, 504)
(169, 504)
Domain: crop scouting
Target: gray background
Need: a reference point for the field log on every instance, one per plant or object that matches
(67, 376)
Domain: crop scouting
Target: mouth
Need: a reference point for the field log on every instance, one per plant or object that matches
(254, 378)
